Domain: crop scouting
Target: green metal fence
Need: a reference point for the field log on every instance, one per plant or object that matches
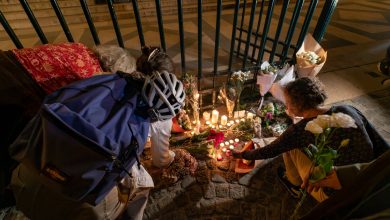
(252, 40)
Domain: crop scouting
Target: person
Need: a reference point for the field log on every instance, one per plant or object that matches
(304, 97)
(160, 92)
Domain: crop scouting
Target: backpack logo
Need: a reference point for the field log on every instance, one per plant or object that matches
(55, 174)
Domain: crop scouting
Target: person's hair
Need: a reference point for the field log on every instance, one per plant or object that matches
(154, 59)
(306, 93)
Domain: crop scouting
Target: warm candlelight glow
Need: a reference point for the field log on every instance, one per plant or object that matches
(228, 124)
(231, 141)
(227, 143)
(224, 149)
(219, 157)
(221, 144)
(237, 120)
(242, 119)
(213, 126)
(231, 147)
(242, 114)
(236, 140)
(231, 122)
(236, 114)
(207, 122)
(214, 116)
(223, 120)
(250, 115)
(193, 122)
(206, 116)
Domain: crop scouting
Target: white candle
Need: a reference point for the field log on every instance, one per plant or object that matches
(223, 120)
(250, 115)
(242, 113)
(227, 143)
(228, 124)
(214, 116)
(242, 119)
(231, 147)
(206, 116)
(231, 141)
(221, 144)
(236, 140)
(223, 149)
(207, 122)
(237, 120)
(212, 126)
(231, 122)
(236, 114)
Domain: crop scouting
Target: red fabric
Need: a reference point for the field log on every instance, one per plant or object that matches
(55, 65)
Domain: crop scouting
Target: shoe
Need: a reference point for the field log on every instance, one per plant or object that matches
(295, 191)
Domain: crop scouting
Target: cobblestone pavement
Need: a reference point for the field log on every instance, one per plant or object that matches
(257, 195)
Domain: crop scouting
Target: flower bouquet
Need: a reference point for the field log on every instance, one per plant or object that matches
(320, 152)
(231, 93)
(265, 79)
(181, 122)
(284, 76)
(310, 57)
(192, 98)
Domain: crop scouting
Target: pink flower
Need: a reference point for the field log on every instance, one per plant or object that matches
(268, 116)
(217, 136)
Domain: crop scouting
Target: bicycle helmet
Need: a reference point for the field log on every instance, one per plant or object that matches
(164, 94)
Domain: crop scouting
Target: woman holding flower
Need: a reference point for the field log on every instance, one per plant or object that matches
(342, 128)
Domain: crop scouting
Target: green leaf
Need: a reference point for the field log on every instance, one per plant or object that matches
(317, 174)
(308, 153)
(314, 148)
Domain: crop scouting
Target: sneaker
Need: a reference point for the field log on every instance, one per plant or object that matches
(295, 191)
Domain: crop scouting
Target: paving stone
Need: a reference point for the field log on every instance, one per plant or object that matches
(207, 206)
(202, 165)
(176, 214)
(203, 176)
(188, 181)
(208, 190)
(152, 210)
(223, 165)
(235, 207)
(251, 195)
(166, 204)
(236, 191)
(261, 212)
(195, 193)
(222, 205)
(175, 188)
(216, 178)
(222, 190)
(245, 180)
(273, 211)
(181, 200)
(248, 210)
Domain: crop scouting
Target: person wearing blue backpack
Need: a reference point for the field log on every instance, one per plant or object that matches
(79, 155)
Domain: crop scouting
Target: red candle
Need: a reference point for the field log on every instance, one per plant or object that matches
(219, 157)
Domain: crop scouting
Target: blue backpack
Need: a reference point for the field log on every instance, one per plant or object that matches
(85, 137)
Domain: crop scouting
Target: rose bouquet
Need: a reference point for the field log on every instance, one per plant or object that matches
(321, 153)
(310, 57)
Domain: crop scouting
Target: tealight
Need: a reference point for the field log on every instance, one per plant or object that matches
(228, 124)
(213, 126)
(236, 140)
(241, 113)
(231, 141)
(219, 157)
(227, 143)
(231, 122)
(221, 144)
(237, 120)
(206, 116)
(223, 120)
(207, 122)
(250, 115)
(223, 149)
(231, 147)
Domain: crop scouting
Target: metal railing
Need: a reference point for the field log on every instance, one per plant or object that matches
(251, 41)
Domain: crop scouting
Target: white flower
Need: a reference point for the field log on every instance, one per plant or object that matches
(343, 120)
(313, 127)
(309, 56)
(324, 121)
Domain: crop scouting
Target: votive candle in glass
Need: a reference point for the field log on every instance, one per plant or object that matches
(214, 116)
(223, 120)
(206, 116)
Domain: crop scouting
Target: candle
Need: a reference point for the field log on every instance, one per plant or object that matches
(242, 119)
(236, 114)
(236, 140)
(223, 120)
(219, 157)
(221, 144)
(231, 141)
(224, 149)
(250, 115)
(213, 126)
(207, 122)
(193, 122)
(227, 143)
(206, 116)
(214, 116)
(242, 113)
(231, 122)
(196, 95)
(228, 124)
(192, 133)
(231, 147)
(237, 120)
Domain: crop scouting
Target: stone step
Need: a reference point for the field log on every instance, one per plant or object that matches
(74, 15)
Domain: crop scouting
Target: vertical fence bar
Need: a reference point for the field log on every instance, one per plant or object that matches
(323, 21)
(88, 17)
(160, 25)
(217, 37)
(257, 28)
(249, 36)
(242, 23)
(10, 31)
(265, 31)
(115, 23)
(306, 23)
(279, 29)
(33, 21)
(199, 42)
(61, 19)
(139, 24)
(291, 28)
(233, 40)
(181, 30)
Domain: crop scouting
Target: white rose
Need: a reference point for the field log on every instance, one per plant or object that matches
(343, 120)
(323, 121)
(313, 127)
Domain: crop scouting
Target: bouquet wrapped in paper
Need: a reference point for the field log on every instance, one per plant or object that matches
(266, 77)
(310, 57)
(192, 98)
(284, 76)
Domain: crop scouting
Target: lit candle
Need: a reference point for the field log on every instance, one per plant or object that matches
(227, 143)
(207, 122)
(231, 147)
(237, 120)
(206, 116)
(236, 140)
(213, 126)
(250, 115)
(228, 124)
(221, 144)
(231, 141)
(193, 122)
(236, 114)
(242, 119)
(192, 133)
(231, 122)
(196, 95)
(223, 120)
(228, 153)
(214, 116)
(224, 149)
(219, 157)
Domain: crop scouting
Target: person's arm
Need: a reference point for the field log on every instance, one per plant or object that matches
(293, 137)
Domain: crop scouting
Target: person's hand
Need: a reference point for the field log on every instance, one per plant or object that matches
(330, 181)
(236, 154)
